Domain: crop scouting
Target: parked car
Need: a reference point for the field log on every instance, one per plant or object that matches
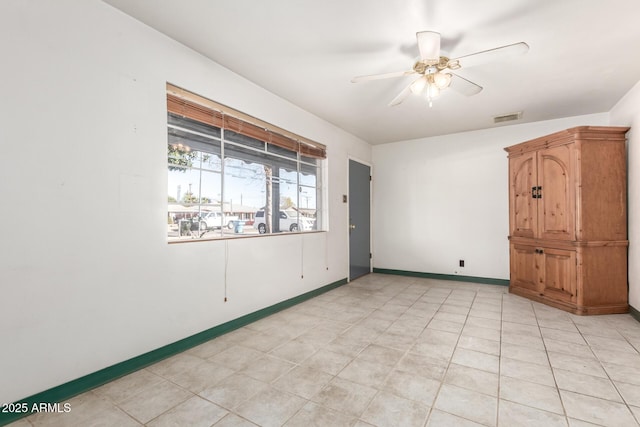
(214, 220)
(289, 221)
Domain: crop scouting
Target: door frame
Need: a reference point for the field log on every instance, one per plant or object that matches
(370, 165)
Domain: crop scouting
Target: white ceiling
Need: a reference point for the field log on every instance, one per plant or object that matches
(584, 55)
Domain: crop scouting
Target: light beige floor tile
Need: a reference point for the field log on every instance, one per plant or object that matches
(20, 423)
(533, 342)
(450, 317)
(232, 420)
(145, 407)
(598, 411)
(266, 341)
(486, 306)
(586, 384)
(345, 397)
(365, 373)
(455, 307)
(524, 354)
(617, 357)
(387, 409)
(630, 393)
(81, 408)
(380, 354)
(210, 348)
(622, 373)
(597, 330)
(141, 381)
(472, 379)
(579, 423)
(295, 351)
(468, 404)
(313, 414)
(439, 354)
(526, 371)
(610, 343)
(518, 317)
(531, 394)
(485, 314)
(236, 357)
(519, 328)
(267, 368)
(564, 325)
(479, 344)
(303, 381)
(481, 322)
(578, 350)
(512, 414)
(480, 332)
(400, 334)
(576, 364)
(271, 407)
(445, 325)
(439, 418)
(434, 337)
(413, 387)
(399, 342)
(233, 390)
(327, 361)
(474, 359)
(636, 411)
(202, 376)
(564, 336)
(195, 412)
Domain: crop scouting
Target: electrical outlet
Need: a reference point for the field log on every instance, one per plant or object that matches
(461, 263)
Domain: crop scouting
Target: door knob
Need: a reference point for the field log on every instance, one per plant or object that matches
(352, 226)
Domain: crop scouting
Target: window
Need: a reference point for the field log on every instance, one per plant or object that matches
(231, 175)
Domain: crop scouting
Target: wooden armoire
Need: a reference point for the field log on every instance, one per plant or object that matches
(568, 220)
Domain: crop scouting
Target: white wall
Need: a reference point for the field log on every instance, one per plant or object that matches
(441, 199)
(87, 278)
(627, 113)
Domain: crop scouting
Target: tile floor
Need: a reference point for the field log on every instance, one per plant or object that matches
(389, 351)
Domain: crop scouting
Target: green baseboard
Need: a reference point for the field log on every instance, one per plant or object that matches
(455, 277)
(72, 388)
(634, 313)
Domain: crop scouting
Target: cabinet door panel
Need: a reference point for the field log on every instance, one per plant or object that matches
(555, 207)
(559, 274)
(523, 177)
(525, 271)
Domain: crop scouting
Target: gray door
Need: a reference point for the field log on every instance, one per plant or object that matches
(359, 219)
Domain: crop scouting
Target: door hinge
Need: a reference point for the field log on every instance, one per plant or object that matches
(370, 178)
(370, 256)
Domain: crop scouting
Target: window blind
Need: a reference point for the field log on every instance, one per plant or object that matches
(194, 107)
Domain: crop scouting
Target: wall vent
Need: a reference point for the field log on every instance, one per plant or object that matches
(507, 117)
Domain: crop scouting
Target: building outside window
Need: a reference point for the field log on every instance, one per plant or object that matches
(230, 175)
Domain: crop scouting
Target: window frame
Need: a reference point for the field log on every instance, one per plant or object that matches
(277, 147)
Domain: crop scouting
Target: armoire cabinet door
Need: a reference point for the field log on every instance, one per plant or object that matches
(525, 268)
(559, 274)
(523, 219)
(556, 210)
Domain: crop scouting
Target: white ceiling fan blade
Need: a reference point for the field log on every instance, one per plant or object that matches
(401, 96)
(495, 54)
(464, 86)
(429, 46)
(359, 79)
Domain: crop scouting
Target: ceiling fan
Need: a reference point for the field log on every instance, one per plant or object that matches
(434, 70)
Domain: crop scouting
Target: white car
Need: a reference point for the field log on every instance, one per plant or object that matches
(214, 220)
(289, 221)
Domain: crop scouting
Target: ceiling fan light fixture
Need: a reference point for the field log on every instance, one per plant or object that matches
(442, 80)
(418, 85)
(432, 91)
